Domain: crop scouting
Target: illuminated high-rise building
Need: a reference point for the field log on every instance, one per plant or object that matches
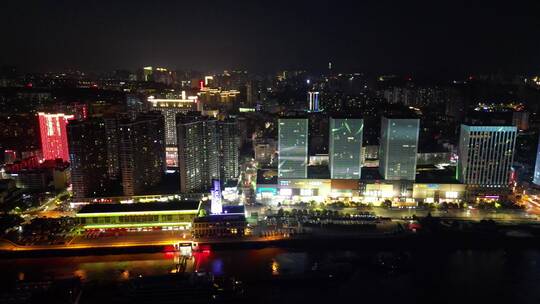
(213, 98)
(398, 148)
(88, 157)
(229, 150)
(521, 120)
(170, 108)
(162, 75)
(250, 94)
(146, 74)
(54, 141)
(486, 154)
(198, 151)
(293, 147)
(217, 206)
(313, 101)
(142, 152)
(536, 177)
(345, 147)
(113, 146)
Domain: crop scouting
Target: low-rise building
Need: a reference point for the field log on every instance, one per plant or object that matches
(177, 215)
(8, 190)
(231, 223)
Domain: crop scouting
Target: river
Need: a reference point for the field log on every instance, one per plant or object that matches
(431, 276)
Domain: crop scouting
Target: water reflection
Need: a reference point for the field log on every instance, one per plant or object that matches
(275, 267)
(80, 273)
(217, 267)
(124, 275)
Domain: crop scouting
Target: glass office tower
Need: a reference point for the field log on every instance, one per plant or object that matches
(485, 155)
(398, 148)
(345, 147)
(536, 177)
(293, 147)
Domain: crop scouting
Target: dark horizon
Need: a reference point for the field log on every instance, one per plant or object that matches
(373, 36)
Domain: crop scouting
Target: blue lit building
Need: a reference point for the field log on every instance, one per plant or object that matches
(536, 177)
(313, 99)
(486, 154)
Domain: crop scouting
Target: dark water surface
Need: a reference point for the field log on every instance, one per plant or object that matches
(284, 275)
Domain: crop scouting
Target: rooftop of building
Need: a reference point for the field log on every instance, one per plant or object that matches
(267, 177)
(229, 119)
(141, 118)
(192, 116)
(234, 209)
(345, 116)
(140, 207)
(401, 116)
(230, 183)
(484, 118)
(431, 146)
(220, 218)
(370, 173)
(425, 174)
(32, 164)
(169, 184)
(294, 115)
(318, 172)
(437, 176)
(486, 126)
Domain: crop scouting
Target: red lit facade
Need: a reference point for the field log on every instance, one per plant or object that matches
(54, 143)
(80, 111)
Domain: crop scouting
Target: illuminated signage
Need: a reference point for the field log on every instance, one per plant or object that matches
(306, 192)
(54, 141)
(285, 192)
(217, 207)
(451, 194)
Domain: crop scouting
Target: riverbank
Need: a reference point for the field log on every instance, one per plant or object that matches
(405, 241)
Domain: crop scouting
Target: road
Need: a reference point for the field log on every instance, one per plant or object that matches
(48, 209)
(399, 213)
(531, 202)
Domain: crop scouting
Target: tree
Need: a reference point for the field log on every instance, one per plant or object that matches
(9, 221)
(386, 204)
(203, 212)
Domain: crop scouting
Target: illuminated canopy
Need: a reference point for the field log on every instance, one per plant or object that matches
(183, 207)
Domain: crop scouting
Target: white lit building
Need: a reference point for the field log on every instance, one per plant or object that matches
(485, 155)
(169, 108)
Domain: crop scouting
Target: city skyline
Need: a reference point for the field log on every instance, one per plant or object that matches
(269, 151)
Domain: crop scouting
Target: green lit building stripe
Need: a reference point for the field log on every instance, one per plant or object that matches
(194, 211)
(138, 225)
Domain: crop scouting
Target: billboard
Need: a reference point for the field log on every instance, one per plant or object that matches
(216, 207)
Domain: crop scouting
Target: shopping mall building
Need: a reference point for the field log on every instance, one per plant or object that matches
(371, 188)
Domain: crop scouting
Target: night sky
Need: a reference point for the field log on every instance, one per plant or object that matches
(372, 36)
